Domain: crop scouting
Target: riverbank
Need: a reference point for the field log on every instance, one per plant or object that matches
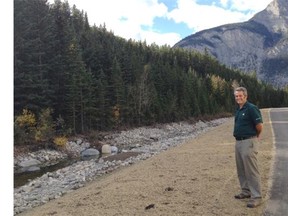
(197, 177)
(136, 145)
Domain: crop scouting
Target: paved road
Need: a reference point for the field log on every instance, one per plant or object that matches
(278, 202)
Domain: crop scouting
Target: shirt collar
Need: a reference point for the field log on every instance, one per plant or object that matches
(244, 106)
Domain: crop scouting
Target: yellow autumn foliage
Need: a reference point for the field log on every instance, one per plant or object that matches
(60, 141)
(26, 119)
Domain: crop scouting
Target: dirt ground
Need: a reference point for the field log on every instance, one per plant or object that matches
(195, 178)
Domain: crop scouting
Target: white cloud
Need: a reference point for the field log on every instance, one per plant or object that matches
(224, 3)
(253, 5)
(127, 17)
(199, 17)
(160, 38)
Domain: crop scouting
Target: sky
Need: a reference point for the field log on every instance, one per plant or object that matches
(165, 22)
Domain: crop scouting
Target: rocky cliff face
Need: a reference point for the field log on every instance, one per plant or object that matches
(260, 44)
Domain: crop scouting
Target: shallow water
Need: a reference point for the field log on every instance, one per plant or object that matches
(22, 178)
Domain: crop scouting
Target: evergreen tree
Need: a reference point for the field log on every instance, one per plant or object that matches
(76, 83)
(193, 92)
(32, 51)
(103, 114)
(117, 89)
(63, 34)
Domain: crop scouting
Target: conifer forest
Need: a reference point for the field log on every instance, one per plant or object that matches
(82, 77)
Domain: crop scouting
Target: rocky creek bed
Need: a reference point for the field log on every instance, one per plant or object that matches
(131, 146)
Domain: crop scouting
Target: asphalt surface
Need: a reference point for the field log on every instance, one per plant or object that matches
(278, 203)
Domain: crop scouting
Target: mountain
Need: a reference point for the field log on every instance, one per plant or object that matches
(259, 45)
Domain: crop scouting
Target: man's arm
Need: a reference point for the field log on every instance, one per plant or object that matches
(259, 128)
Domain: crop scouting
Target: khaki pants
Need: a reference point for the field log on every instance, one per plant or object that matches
(247, 167)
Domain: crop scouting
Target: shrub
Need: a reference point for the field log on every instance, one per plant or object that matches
(45, 126)
(24, 127)
(28, 129)
(60, 141)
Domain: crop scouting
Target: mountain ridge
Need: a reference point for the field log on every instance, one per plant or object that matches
(258, 45)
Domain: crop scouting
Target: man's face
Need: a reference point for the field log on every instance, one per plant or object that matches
(240, 98)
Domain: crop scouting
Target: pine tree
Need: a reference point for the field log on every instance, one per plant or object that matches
(117, 89)
(32, 51)
(76, 85)
(103, 113)
(61, 45)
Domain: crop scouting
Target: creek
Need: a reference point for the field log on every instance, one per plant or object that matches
(21, 178)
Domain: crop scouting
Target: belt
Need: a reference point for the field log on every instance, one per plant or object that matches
(243, 138)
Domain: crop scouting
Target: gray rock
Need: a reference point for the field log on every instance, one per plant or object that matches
(114, 149)
(32, 169)
(106, 149)
(79, 141)
(29, 163)
(90, 152)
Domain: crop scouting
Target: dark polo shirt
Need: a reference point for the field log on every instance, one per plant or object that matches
(246, 119)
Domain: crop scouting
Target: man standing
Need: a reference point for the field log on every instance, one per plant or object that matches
(247, 128)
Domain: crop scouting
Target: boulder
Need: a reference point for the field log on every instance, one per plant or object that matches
(29, 163)
(90, 152)
(32, 169)
(106, 149)
(114, 149)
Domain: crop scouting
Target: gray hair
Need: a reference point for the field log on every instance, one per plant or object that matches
(243, 89)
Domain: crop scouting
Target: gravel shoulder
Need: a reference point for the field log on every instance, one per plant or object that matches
(197, 177)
